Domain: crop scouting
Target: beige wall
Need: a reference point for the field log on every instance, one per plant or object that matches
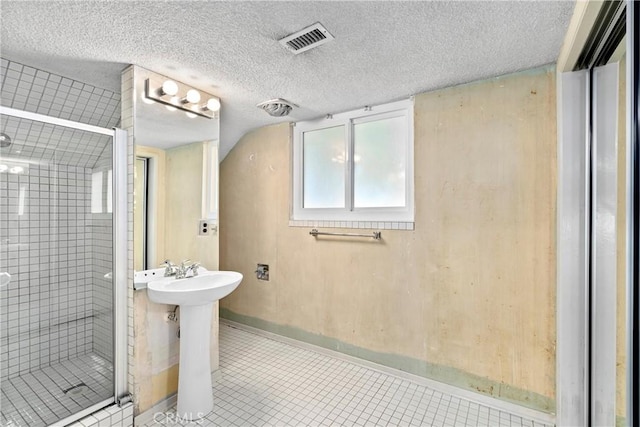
(156, 344)
(469, 296)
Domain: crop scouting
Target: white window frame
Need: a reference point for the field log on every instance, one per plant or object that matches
(349, 213)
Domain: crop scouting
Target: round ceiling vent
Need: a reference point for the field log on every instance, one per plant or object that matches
(277, 107)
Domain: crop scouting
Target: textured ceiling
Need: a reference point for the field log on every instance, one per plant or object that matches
(383, 51)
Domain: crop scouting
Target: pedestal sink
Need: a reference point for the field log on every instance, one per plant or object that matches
(194, 295)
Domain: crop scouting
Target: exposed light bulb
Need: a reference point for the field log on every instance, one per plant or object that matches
(213, 104)
(174, 100)
(3, 168)
(169, 87)
(192, 97)
(16, 169)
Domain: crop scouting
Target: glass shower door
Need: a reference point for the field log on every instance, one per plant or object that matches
(56, 243)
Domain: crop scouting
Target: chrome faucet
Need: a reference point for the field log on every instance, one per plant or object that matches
(170, 269)
(181, 271)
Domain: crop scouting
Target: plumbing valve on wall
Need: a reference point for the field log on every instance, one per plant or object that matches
(172, 316)
(262, 272)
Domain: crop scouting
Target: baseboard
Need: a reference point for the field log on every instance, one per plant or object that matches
(162, 406)
(482, 399)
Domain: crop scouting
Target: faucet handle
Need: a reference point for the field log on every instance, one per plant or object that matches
(169, 268)
(194, 268)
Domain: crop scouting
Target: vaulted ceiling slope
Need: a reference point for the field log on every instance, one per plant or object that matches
(383, 50)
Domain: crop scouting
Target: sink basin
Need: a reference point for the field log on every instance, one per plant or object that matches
(205, 288)
(195, 296)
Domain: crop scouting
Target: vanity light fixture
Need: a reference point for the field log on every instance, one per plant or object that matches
(14, 169)
(193, 97)
(147, 100)
(16, 165)
(169, 87)
(178, 96)
(212, 105)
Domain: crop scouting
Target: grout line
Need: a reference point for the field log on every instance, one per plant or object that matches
(268, 381)
(39, 393)
(435, 385)
(39, 397)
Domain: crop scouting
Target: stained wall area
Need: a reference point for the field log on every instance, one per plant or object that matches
(468, 297)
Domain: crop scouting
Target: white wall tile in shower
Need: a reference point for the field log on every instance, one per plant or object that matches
(55, 306)
(46, 247)
(38, 91)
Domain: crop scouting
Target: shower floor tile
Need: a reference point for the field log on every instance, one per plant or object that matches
(265, 382)
(38, 398)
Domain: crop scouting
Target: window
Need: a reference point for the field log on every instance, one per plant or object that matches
(96, 192)
(101, 192)
(356, 166)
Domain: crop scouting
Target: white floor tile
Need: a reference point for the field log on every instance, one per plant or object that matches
(37, 398)
(270, 383)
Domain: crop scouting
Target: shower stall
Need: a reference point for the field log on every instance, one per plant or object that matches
(63, 265)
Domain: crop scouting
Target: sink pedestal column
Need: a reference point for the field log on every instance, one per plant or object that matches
(195, 395)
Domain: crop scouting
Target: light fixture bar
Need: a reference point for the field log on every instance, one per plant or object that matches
(184, 98)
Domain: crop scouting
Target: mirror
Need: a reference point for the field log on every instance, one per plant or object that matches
(174, 148)
(140, 179)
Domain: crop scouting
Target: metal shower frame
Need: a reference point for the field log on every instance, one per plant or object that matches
(120, 256)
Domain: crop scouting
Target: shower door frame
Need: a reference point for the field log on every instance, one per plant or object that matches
(577, 370)
(120, 249)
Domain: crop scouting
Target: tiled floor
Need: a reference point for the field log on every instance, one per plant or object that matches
(270, 383)
(38, 399)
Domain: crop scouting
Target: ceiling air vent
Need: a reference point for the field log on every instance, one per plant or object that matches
(277, 107)
(308, 38)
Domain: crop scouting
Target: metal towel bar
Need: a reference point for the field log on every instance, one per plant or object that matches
(376, 235)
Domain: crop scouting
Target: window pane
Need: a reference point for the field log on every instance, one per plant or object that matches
(109, 192)
(324, 168)
(96, 192)
(380, 163)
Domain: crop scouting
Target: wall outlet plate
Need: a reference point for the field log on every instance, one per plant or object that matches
(204, 227)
